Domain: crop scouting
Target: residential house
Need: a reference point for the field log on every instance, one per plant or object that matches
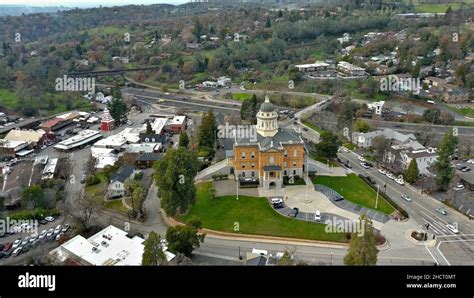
(116, 187)
(146, 160)
(350, 69)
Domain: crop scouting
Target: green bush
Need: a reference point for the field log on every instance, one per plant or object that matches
(138, 176)
(92, 180)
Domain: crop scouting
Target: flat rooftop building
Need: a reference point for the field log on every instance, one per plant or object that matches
(82, 138)
(109, 247)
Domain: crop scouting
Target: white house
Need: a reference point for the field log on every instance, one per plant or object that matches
(117, 181)
(224, 82)
(365, 139)
(376, 107)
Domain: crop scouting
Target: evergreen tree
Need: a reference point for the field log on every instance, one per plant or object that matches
(362, 247)
(183, 140)
(447, 147)
(412, 172)
(153, 253)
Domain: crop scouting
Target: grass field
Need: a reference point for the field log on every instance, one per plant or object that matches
(251, 215)
(241, 96)
(8, 98)
(323, 160)
(314, 126)
(354, 189)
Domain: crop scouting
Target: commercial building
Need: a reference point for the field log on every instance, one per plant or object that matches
(109, 247)
(50, 169)
(83, 138)
(176, 125)
(350, 69)
(11, 148)
(317, 66)
(55, 124)
(34, 138)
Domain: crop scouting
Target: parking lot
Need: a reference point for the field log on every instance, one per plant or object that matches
(349, 206)
(20, 247)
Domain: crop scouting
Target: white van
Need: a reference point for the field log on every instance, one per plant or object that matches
(317, 216)
(431, 102)
(261, 252)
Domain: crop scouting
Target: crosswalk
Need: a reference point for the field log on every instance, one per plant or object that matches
(435, 227)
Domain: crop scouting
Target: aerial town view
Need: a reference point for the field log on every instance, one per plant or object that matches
(237, 133)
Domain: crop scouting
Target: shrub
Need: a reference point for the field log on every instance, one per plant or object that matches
(92, 180)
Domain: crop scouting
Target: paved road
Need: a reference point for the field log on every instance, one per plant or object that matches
(416, 127)
(421, 208)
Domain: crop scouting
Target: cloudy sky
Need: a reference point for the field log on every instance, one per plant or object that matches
(87, 3)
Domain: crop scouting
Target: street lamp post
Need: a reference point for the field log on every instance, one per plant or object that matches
(237, 187)
(377, 199)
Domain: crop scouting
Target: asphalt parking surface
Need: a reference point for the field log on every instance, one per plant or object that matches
(351, 207)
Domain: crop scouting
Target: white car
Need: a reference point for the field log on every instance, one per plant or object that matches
(459, 187)
(400, 181)
(390, 175)
(57, 230)
(364, 165)
(276, 201)
(452, 228)
(42, 234)
(470, 161)
(49, 218)
(16, 243)
(17, 251)
(344, 149)
(406, 198)
(361, 158)
(65, 228)
(317, 216)
(382, 171)
(50, 233)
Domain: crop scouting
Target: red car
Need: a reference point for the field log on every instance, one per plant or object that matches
(7, 246)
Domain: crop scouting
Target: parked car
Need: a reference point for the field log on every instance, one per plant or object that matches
(17, 243)
(390, 175)
(49, 218)
(400, 181)
(442, 211)
(338, 198)
(372, 181)
(57, 230)
(406, 198)
(83, 179)
(459, 187)
(65, 228)
(466, 169)
(50, 233)
(382, 171)
(348, 165)
(317, 216)
(293, 212)
(17, 251)
(25, 241)
(453, 228)
(364, 165)
(42, 234)
(7, 246)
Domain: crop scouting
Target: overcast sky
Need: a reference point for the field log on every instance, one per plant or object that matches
(87, 3)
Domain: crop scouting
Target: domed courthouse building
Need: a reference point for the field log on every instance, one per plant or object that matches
(272, 155)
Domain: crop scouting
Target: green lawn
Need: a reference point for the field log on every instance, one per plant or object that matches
(314, 127)
(297, 180)
(465, 111)
(349, 146)
(323, 160)
(436, 8)
(241, 96)
(8, 98)
(252, 215)
(354, 189)
(116, 205)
